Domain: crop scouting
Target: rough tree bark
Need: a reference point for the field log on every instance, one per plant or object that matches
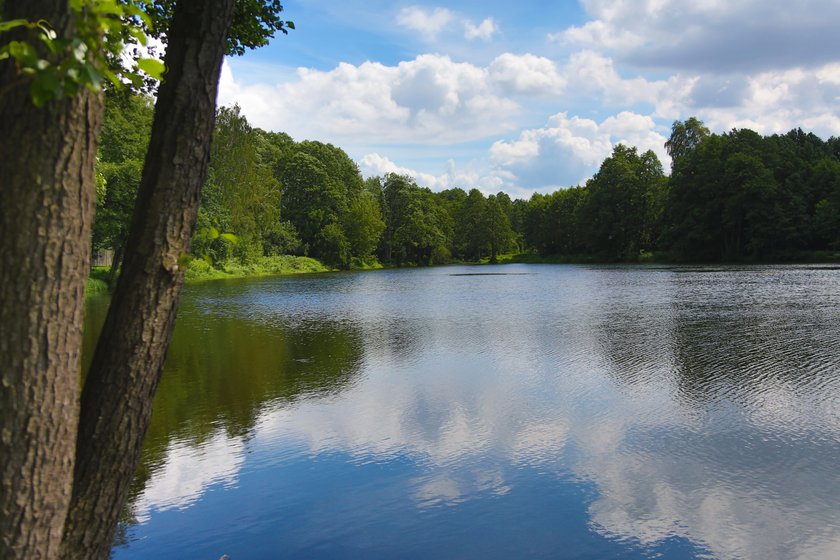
(45, 218)
(117, 398)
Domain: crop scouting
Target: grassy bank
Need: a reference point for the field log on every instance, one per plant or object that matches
(97, 282)
(199, 270)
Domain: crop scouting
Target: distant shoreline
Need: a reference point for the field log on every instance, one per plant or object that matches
(288, 265)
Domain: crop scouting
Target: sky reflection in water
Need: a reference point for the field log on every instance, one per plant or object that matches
(571, 412)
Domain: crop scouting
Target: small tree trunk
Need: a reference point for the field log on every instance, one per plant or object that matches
(47, 158)
(117, 398)
(116, 261)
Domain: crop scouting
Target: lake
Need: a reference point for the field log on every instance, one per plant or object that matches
(518, 411)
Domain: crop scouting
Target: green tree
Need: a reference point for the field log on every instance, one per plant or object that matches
(552, 224)
(311, 199)
(332, 245)
(471, 236)
(363, 225)
(740, 195)
(395, 195)
(123, 142)
(685, 136)
(424, 231)
(241, 194)
(618, 203)
(496, 225)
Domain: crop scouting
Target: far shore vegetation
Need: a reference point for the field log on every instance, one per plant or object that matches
(272, 205)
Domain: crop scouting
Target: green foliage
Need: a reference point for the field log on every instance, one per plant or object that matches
(241, 195)
(125, 135)
(424, 229)
(740, 195)
(254, 23)
(363, 224)
(97, 282)
(333, 246)
(58, 66)
(199, 269)
(470, 231)
(685, 136)
(618, 213)
(496, 227)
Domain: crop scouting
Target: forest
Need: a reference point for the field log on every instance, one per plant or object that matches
(737, 196)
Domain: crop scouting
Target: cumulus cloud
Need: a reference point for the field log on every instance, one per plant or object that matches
(484, 30)
(428, 22)
(767, 102)
(452, 176)
(569, 149)
(430, 99)
(590, 71)
(431, 22)
(710, 35)
(526, 73)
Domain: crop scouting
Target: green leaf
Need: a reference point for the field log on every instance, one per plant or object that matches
(229, 237)
(138, 35)
(45, 87)
(135, 78)
(92, 76)
(213, 233)
(24, 53)
(152, 67)
(111, 77)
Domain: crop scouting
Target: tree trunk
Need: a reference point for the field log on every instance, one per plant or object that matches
(47, 210)
(117, 398)
(116, 261)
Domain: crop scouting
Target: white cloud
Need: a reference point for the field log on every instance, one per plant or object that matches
(597, 34)
(484, 31)
(526, 73)
(767, 102)
(711, 35)
(428, 100)
(374, 164)
(590, 71)
(428, 22)
(431, 22)
(568, 150)
(377, 165)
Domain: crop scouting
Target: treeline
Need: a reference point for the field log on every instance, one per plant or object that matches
(268, 195)
(732, 196)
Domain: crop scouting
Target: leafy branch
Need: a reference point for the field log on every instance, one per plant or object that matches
(60, 67)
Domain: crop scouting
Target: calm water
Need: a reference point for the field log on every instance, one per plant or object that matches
(547, 412)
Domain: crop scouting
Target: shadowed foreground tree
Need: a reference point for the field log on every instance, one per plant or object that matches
(61, 488)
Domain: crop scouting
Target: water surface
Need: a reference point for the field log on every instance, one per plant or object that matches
(524, 411)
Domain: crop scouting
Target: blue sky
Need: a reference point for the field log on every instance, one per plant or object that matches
(531, 96)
